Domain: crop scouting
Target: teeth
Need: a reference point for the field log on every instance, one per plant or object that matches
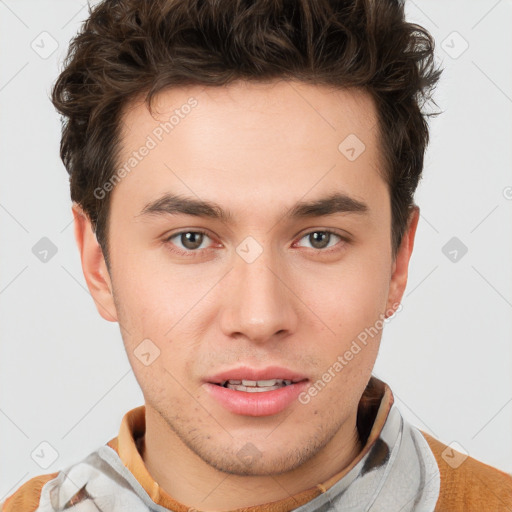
(253, 389)
(261, 383)
(256, 386)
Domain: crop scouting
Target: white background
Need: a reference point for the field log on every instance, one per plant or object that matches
(64, 376)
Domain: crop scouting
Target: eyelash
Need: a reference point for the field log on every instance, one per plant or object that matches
(197, 252)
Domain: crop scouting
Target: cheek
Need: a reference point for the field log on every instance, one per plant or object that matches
(156, 305)
(144, 288)
(351, 296)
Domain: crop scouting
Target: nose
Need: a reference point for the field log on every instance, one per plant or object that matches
(259, 304)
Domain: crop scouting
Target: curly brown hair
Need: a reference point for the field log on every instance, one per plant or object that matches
(128, 48)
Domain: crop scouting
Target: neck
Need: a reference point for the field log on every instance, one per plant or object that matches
(189, 480)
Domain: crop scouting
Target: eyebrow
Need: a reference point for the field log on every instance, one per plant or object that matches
(175, 204)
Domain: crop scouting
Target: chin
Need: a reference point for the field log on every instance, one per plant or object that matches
(243, 464)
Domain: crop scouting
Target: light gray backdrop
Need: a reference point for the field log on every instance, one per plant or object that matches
(65, 380)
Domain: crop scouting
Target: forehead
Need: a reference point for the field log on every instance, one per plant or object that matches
(281, 107)
(252, 144)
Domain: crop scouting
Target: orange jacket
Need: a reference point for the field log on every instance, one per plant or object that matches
(418, 472)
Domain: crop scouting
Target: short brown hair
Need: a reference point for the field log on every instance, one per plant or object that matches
(131, 47)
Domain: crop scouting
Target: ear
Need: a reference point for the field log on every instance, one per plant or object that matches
(94, 266)
(400, 268)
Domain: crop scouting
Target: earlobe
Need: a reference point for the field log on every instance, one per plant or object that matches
(401, 262)
(93, 265)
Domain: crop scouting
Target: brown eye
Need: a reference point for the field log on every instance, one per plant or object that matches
(321, 239)
(191, 239)
(187, 241)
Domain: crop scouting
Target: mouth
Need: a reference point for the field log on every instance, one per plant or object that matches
(256, 386)
(256, 392)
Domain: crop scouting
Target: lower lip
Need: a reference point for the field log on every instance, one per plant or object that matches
(264, 403)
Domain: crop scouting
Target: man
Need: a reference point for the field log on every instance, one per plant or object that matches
(242, 177)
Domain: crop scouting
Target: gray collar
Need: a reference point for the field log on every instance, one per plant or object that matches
(398, 472)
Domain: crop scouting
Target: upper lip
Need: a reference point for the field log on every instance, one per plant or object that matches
(248, 373)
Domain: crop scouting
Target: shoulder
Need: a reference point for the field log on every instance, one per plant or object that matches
(101, 479)
(468, 484)
(27, 497)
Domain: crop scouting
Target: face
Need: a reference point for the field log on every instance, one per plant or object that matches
(253, 285)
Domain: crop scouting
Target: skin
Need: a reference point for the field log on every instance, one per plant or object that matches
(255, 149)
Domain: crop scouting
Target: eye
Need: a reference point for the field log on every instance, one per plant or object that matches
(191, 241)
(320, 239)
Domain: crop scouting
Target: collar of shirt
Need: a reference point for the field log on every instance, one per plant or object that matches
(373, 411)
